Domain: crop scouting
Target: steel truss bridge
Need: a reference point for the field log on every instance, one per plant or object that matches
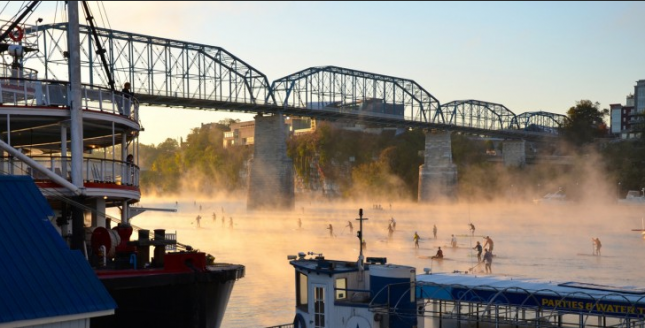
(173, 73)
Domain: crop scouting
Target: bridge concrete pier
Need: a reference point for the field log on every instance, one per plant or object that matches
(438, 175)
(271, 184)
(514, 153)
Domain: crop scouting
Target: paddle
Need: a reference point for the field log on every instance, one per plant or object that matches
(471, 269)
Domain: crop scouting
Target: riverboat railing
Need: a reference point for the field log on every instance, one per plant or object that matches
(95, 170)
(454, 306)
(21, 87)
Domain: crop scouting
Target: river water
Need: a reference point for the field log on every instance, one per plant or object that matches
(550, 242)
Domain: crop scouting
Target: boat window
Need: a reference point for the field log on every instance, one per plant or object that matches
(319, 307)
(341, 288)
(301, 291)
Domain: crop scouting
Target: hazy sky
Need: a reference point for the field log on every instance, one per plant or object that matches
(528, 56)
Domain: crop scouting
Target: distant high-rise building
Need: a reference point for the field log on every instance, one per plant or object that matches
(623, 117)
(639, 96)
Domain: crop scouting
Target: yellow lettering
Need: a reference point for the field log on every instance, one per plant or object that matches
(589, 306)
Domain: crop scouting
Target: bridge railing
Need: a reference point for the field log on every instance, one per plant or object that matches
(95, 170)
(359, 113)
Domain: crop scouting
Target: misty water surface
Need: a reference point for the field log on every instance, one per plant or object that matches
(550, 242)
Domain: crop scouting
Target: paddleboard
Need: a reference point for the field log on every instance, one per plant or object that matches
(432, 258)
(586, 254)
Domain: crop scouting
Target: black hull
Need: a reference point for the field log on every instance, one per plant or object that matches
(182, 299)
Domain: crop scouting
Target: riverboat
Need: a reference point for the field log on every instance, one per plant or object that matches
(79, 144)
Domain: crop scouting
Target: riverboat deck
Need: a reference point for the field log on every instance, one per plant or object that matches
(460, 299)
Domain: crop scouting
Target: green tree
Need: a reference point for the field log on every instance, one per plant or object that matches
(585, 121)
(201, 164)
(162, 174)
(228, 121)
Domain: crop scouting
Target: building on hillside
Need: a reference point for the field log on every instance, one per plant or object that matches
(243, 133)
(623, 117)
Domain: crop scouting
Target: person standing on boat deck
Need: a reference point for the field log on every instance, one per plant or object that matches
(126, 90)
(478, 248)
(489, 243)
(472, 228)
(127, 99)
(331, 230)
(199, 218)
(488, 260)
(597, 245)
(434, 231)
(214, 217)
(390, 231)
(439, 254)
(393, 223)
(130, 163)
(453, 241)
(299, 223)
(351, 227)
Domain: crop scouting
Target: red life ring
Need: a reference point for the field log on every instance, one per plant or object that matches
(17, 34)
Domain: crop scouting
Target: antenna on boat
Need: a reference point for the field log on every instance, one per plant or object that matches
(359, 234)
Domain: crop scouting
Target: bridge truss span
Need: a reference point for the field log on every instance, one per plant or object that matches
(479, 115)
(165, 72)
(347, 91)
(161, 71)
(541, 121)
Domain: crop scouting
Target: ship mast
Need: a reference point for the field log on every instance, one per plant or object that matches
(76, 117)
(360, 239)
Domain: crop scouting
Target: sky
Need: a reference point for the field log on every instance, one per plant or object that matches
(527, 56)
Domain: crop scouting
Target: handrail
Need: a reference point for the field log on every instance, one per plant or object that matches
(22, 88)
(41, 168)
(95, 170)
